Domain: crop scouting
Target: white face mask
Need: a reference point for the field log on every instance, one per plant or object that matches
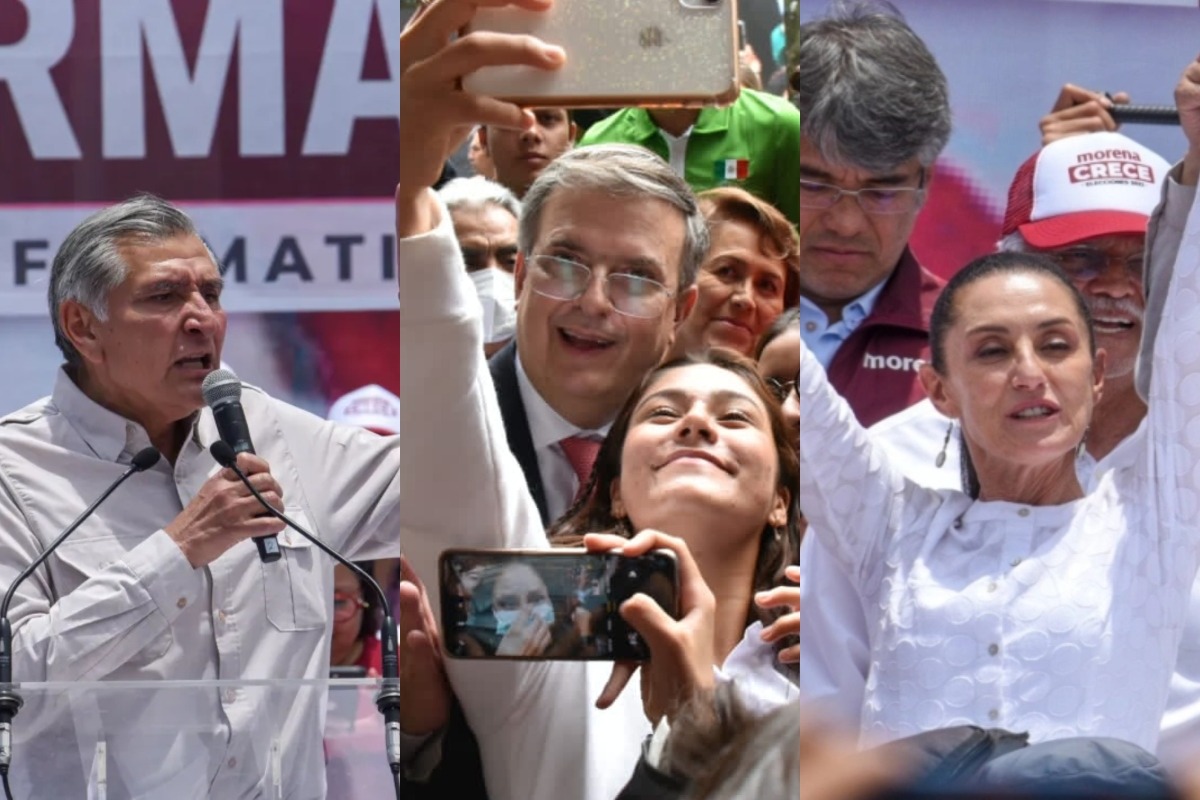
(506, 618)
(497, 295)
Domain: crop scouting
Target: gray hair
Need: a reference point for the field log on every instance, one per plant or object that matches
(477, 192)
(870, 93)
(1014, 243)
(88, 265)
(625, 171)
(726, 751)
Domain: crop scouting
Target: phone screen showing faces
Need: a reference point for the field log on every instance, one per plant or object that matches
(548, 605)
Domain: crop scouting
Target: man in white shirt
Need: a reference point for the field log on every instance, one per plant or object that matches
(160, 583)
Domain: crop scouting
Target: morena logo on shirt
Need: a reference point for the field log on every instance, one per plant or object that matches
(892, 362)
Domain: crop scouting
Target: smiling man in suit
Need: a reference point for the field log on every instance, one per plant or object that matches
(610, 241)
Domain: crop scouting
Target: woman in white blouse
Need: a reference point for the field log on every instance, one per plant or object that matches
(1023, 603)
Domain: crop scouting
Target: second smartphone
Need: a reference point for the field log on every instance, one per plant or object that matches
(549, 604)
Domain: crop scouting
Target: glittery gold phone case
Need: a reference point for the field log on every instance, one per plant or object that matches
(619, 53)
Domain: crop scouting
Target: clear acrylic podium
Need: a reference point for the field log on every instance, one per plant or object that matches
(226, 740)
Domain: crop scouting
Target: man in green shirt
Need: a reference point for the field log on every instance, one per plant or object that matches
(753, 143)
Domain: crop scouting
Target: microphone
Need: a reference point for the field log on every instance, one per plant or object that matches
(10, 701)
(388, 699)
(223, 393)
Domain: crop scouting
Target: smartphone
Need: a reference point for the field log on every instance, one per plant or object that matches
(559, 604)
(619, 53)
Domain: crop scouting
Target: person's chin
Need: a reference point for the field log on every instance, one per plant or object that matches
(731, 336)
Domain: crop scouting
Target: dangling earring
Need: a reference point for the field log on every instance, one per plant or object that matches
(941, 457)
(1081, 448)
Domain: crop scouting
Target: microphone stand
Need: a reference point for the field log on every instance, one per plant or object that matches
(388, 698)
(10, 699)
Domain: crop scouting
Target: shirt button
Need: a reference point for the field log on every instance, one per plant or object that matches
(810, 327)
(993, 649)
(1024, 512)
(232, 763)
(993, 714)
(1015, 561)
(993, 586)
(181, 602)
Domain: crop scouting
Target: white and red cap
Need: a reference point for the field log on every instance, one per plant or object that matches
(1079, 187)
(372, 407)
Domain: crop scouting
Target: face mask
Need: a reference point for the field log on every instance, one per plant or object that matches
(506, 618)
(497, 295)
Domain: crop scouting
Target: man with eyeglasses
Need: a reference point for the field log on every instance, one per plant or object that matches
(610, 241)
(875, 114)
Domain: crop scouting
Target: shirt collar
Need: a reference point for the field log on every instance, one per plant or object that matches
(641, 125)
(107, 434)
(854, 312)
(547, 426)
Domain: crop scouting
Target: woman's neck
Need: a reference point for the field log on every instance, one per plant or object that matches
(1051, 484)
(730, 577)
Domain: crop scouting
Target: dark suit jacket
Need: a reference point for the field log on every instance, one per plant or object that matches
(503, 366)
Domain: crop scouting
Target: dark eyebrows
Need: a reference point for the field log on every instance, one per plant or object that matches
(681, 397)
(1049, 323)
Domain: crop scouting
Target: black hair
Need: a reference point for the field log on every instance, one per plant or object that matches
(944, 316)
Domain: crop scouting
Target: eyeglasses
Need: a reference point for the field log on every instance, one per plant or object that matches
(346, 606)
(783, 389)
(631, 295)
(873, 200)
(1087, 263)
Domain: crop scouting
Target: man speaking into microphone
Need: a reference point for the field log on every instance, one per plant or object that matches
(161, 583)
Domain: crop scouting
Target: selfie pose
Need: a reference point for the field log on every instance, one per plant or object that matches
(699, 454)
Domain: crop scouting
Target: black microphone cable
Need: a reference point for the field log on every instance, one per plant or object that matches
(10, 699)
(388, 698)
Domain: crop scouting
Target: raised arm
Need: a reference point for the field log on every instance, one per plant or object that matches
(851, 496)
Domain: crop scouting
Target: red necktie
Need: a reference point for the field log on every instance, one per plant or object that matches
(581, 454)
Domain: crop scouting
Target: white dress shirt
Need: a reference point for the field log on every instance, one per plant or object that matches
(1059, 620)
(547, 428)
(540, 735)
(119, 602)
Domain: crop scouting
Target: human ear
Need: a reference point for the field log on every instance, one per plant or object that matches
(779, 508)
(939, 392)
(617, 505)
(79, 325)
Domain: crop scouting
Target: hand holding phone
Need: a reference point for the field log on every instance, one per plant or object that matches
(681, 650)
(556, 604)
(437, 114)
(427, 698)
(648, 52)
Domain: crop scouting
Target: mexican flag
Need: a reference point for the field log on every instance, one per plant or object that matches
(733, 169)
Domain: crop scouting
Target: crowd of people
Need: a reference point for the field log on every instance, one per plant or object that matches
(995, 472)
(932, 537)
